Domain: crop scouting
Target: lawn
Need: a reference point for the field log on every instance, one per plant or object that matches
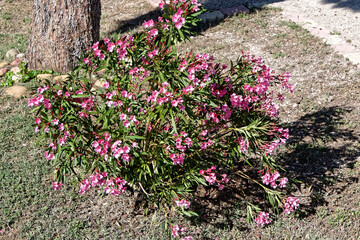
(322, 153)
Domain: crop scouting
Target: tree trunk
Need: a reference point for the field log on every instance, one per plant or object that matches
(60, 31)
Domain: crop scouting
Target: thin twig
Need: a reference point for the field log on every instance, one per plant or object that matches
(144, 190)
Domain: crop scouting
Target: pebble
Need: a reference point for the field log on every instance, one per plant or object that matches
(15, 70)
(3, 64)
(99, 83)
(211, 16)
(11, 54)
(3, 71)
(61, 78)
(20, 55)
(16, 62)
(44, 76)
(16, 77)
(16, 91)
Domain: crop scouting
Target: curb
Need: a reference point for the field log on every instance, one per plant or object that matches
(337, 43)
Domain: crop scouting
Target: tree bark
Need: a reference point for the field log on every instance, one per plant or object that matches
(60, 31)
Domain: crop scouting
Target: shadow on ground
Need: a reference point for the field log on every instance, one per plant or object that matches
(319, 143)
(210, 5)
(129, 24)
(351, 4)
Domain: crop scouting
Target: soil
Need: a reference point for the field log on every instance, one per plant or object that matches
(323, 113)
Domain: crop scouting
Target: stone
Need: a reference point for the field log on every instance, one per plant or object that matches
(354, 58)
(234, 10)
(211, 17)
(61, 78)
(15, 70)
(11, 54)
(20, 55)
(3, 64)
(99, 83)
(3, 71)
(44, 76)
(16, 91)
(16, 62)
(16, 77)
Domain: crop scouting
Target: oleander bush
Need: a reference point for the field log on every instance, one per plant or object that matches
(163, 123)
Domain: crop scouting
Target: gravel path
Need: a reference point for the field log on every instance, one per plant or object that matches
(340, 17)
(337, 22)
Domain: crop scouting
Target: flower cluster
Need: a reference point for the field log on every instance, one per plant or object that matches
(182, 203)
(291, 204)
(270, 178)
(177, 231)
(210, 177)
(263, 219)
(114, 186)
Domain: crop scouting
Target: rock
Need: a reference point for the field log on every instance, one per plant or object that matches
(3, 64)
(235, 10)
(20, 55)
(61, 78)
(16, 62)
(99, 83)
(44, 76)
(16, 77)
(16, 91)
(3, 71)
(211, 17)
(15, 70)
(11, 54)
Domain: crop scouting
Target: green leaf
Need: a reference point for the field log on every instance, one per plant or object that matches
(80, 96)
(134, 137)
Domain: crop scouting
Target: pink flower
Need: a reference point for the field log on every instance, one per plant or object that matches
(84, 186)
(283, 182)
(126, 123)
(122, 117)
(56, 185)
(263, 219)
(175, 230)
(266, 179)
(86, 60)
(111, 46)
(148, 24)
(55, 122)
(106, 40)
(49, 156)
(154, 32)
(183, 203)
(161, 5)
(291, 204)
